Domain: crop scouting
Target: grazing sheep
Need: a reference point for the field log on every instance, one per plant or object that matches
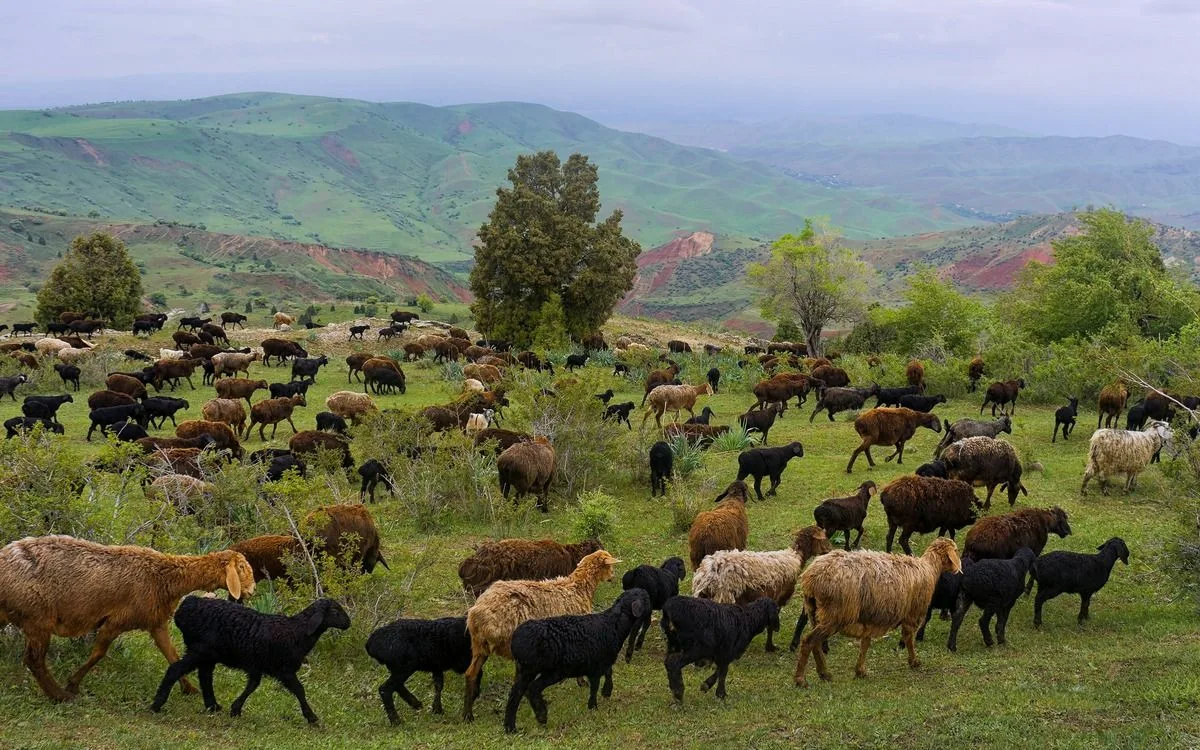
(1074, 573)
(413, 351)
(662, 460)
(242, 638)
(126, 384)
(128, 432)
(234, 318)
(892, 396)
(834, 400)
(239, 388)
(974, 373)
(619, 412)
(15, 425)
(1135, 418)
(69, 374)
(724, 527)
(502, 439)
(832, 377)
(222, 434)
(355, 362)
(700, 630)
(921, 403)
(103, 399)
(914, 373)
(282, 319)
(965, 428)
(521, 560)
(921, 505)
(177, 460)
(1000, 394)
(59, 585)
(506, 604)
(155, 444)
(351, 405)
(660, 584)
(272, 411)
(267, 554)
(471, 385)
(169, 354)
(1064, 417)
(312, 441)
(713, 376)
(227, 410)
(347, 533)
(406, 646)
(985, 461)
(864, 595)
(740, 577)
(767, 462)
(845, 514)
(231, 363)
(994, 586)
(327, 421)
(701, 435)
(373, 472)
(171, 370)
(884, 426)
(945, 598)
(281, 349)
(1000, 537)
(1123, 452)
(528, 467)
(46, 407)
(655, 378)
(50, 347)
(383, 376)
(576, 360)
(666, 398)
(548, 650)
(105, 418)
(704, 417)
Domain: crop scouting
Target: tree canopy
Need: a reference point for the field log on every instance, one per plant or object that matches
(96, 277)
(810, 280)
(540, 241)
(937, 312)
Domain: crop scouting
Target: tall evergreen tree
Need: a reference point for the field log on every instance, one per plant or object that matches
(541, 239)
(95, 277)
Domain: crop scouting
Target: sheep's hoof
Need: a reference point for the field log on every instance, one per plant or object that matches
(914, 664)
(826, 677)
(801, 683)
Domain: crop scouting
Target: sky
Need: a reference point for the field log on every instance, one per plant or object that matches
(1069, 67)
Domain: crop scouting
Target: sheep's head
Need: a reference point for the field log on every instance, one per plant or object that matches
(674, 566)
(1162, 429)
(598, 565)
(796, 449)
(1059, 525)
(239, 576)
(1117, 544)
(735, 491)
(868, 487)
(945, 551)
(930, 421)
(1005, 424)
(810, 542)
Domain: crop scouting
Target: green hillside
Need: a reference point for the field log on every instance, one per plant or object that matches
(400, 177)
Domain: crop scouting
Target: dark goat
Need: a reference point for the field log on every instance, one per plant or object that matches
(605, 397)
(1074, 573)
(706, 414)
(620, 412)
(373, 472)
(45, 407)
(767, 462)
(921, 403)
(700, 630)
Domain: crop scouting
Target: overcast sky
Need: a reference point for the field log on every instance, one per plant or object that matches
(1048, 66)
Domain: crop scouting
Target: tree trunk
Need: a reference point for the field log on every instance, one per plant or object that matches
(812, 339)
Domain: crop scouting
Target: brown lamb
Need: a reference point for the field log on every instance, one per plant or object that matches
(724, 527)
(126, 384)
(239, 388)
(1000, 537)
(974, 373)
(521, 560)
(272, 411)
(504, 439)
(697, 434)
(886, 426)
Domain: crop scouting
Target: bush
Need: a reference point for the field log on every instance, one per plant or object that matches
(425, 304)
(737, 439)
(585, 446)
(594, 516)
(688, 457)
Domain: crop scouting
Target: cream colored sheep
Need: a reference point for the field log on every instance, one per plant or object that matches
(179, 490)
(231, 363)
(227, 410)
(666, 398)
(351, 405)
(71, 355)
(282, 319)
(486, 373)
(471, 385)
(171, 354)
(48, 347)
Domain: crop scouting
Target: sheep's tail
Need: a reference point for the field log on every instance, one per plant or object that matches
(379, 559)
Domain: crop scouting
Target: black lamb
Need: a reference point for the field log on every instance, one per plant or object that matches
(702, 630)
(714, 378)
(163, 408)
(834, 400)
(945, 598)
(25, 424)
(1074, 573)
(994, 586)
(892, 396)
(935, 468)
(662, 461)
(283, 463)
(407, 646)
(279, 390)
(373, 472)
(845, 514)
(306, 369)
(605, 397)
(619, 412)
(660, 583)
(917, 402)
(704, 417)
(216, 631)
(327, 421)
(127, 432)
(551, 649)
(576, 360)
(761, 419)
(1065, 416)
(45, 407)
(108, 416)
(69, 374)
(621, 369)
(767, 462)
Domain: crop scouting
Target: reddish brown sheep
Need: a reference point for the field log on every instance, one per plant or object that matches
(311, 441)
(659, 377)
(101, 399)
(974, 373)
(1111, 404)
(724, 527)
(238, 388)
(272, 411)
(922, 505)
(521, 560)
(885, 426)
(267, 555)
(914, 373)
(528, 467)
(1000, 537)
(355, 362)
(697, 434)
(347, 533)
(227, 410)
(832, 377)
(221, 433)
(126, 384)
(999, 394)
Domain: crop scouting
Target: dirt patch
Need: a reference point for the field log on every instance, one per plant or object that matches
(91, 151)
(338, 150)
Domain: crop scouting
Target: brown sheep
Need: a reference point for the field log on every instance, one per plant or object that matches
(413, 351)
(184, 339)
(1000, 537)
(778, 389)
(521, 560)
(59, 585)
(673, 398)
(922, 505)
(504, 439)
(153, 444)
(886, 426)
(239, 388)
(176, 461)
(914, 373)
(126, 384)
(272, 411)
(179, 490)
(459, 333)
(429, 341)
(230, 363)
(999, 394)
(1112, 402)
(528, 467)
(832, 377)
(282, 319)
(974, 373)
(281, 349)
(701, 435)
(445, 351)
(330, 525)
(724, 527)
(311, 441)
(351, 405)
(489, 374)
(173, 369)
(227, 410)
(355, 362)
(222, 434)
(659, 377)
(101, 399)
(267, 555)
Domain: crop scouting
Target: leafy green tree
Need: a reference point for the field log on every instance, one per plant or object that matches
(551, 331)
(1108, 280)
(787, 330)
(936, 311)
(811, 279)
(425, 304)
(96, 276)
(542, 239)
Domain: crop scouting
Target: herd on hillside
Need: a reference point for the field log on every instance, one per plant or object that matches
(534, 598)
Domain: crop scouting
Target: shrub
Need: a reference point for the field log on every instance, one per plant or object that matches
(688, 457)
(425, 304)
(585, 446)
(594, 516)
(737, 439)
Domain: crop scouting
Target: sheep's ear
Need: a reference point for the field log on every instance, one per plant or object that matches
(872, 491)
(233, 584)
(638, 608)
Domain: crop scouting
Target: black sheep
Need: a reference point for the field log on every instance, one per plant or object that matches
(69, 374)
(327, 421)
(767, 462)
(373, 472)
(216, 631)
(357, 332)
(660, 583)
(620, 368)
(24, 424)
(551, 649)
(662, 460)
(127, 432)
(9, 384)
(619, 412)
(945, 598)
(1135, 419)
(1074, 573)
(714, 379)
(45, 407)
(576, 360)
(282, 464)
(935, 468)
(921, 403)
(280, 390)
(605, 397)
(163, 408)
(761, 419)
(706, 414)
(702, 630)
(834, 400)
(845, 514)
(110, 415)
(407, 646)
(892, 396)
(267, 455)
(1065, 416)
(137, 356)
(994, 586)
(306, 369)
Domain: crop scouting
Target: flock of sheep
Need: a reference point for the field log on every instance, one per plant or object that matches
(535, 599)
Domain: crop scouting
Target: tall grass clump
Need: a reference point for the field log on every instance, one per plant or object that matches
(737, 439)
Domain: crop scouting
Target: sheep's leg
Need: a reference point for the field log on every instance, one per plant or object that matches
(104, 638)
(984, 621)
(162, 639)
(674, 664)
(536, 699)
(771, 640)
(904, 537)
(857, 538)
(775, 480)
(205, 673)
(819, 648)
(960, 611)
(593, 688)
(906, 632)
(864, 645)
(921, 630)
(291, 424)
(758, 486)
(387, 691)
(987, 502)
(1085, 600)
(641, 638)
(519, 686)
(891, 535)
(1002, 626)
(36, 645)
(853, 456)
(801, 621)
(722, 671)
(292, 683)
(252, 681)
(473, 676)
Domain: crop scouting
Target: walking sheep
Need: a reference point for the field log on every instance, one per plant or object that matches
(965, 428)
(1110, 404)
(845, 514)
(407, 646)
(521, 560)
(1064, 417)
(994, 586)
(864, 595)
(1001, 536)
(1123, 452)
(351, 405)
(1074, 573)
(666, 398)
(699, 630)
(661, 584)
(662, 460)
(985, 461)
(724, 527)
(923, 505)
(1002, 394)
(884, 426)
(767, 462)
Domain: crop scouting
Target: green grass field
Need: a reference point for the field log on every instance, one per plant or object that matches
(1128, 678)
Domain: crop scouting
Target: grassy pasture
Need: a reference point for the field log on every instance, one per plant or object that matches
(1127, 678)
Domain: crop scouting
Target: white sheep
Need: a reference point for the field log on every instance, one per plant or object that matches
(71, 355)
(351, 405)
(47, 347)
(170, 354)
(471, 385)
(1123, 452)
(479, 422)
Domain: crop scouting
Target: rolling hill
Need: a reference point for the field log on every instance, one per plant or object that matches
(398, 177)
